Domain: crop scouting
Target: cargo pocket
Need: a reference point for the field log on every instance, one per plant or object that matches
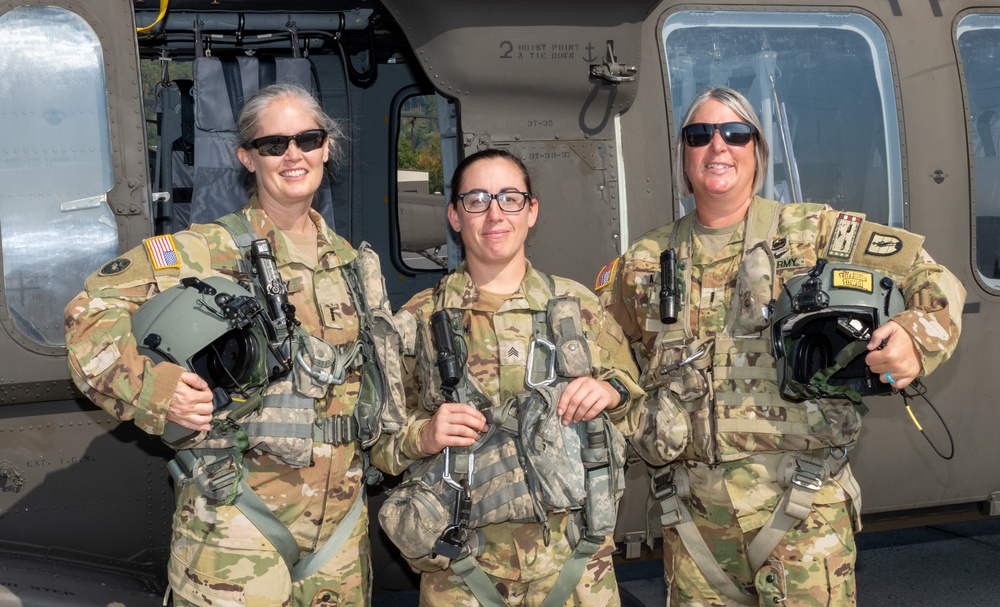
(201, 574)
(414, 517)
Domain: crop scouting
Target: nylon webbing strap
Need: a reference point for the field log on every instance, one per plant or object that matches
(313, 562)
(695, 544)
(475, 578)
(795, 506)
(240, 229)
(571, 573)
(250, 504)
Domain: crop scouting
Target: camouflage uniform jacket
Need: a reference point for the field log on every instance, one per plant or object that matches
(107, 367)
(732, 397)
(498, 344)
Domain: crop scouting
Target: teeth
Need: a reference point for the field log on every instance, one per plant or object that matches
(718, 166)
(295, 173)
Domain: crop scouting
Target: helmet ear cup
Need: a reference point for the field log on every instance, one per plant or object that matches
(231, 360)
(812, 352)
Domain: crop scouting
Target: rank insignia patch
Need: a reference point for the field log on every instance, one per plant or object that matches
(845, 236)
(606, 274)
(162, 252)
(115, 266)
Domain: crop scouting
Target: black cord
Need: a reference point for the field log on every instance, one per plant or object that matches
(920, 390)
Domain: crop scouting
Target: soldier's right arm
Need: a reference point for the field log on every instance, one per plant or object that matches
(104, 361)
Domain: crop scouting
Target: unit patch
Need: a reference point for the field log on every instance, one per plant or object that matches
(858, 280)
(162, 252)
(883, 245)
(115, 266)
(606, 274)
(845, 235)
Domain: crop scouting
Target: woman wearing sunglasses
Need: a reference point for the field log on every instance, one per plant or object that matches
(514, 380)
(297, 455)
(760, 505)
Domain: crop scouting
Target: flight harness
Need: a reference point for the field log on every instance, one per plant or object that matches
(216, 464)
(526, 465)
(804, 472)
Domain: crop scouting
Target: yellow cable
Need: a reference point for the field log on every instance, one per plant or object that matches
(914, 418)
(163, 11)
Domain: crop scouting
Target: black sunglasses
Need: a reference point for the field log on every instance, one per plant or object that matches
(277, 145)
(700, 134)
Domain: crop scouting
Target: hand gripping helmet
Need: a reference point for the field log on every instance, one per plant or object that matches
(213, 327)
(822, 321)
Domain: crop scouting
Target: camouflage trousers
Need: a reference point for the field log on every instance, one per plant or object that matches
(203, 573)
(524, 569)
(813, 565)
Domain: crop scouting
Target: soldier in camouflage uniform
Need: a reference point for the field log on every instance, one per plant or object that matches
(731, 483)
(497, 292)
(218, 557)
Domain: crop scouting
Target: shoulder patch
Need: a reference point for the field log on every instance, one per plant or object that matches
(162, 252)
(115, 266)
(606, 274)
(887, 249)
(845, 235)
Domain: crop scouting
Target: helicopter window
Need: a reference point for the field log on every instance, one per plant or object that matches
(420, 182)
(979, 45)
(821, 83)
(55, 165)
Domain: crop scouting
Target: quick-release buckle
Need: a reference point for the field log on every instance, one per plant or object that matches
(663, 487)
(808, 475)
(337, 430)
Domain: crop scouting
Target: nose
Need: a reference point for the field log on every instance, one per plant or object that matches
(293, 150)
(718, 143)
(493, 211)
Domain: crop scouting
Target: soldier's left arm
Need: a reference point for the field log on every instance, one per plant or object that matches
(616, 362)
(933, 316)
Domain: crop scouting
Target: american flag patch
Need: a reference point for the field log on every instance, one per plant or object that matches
(606, 274)
(162, 252)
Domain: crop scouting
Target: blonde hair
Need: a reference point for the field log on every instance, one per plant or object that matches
(742, 108)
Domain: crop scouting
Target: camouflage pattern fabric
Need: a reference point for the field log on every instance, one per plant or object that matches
(497, 332)
(738, 421)
(106, 366)
(537, 566)
(813, 566)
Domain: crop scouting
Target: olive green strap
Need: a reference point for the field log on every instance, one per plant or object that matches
(475, 578)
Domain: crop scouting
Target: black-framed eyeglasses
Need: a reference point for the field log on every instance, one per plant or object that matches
(277, 145)
(479, 202)
(699, 134)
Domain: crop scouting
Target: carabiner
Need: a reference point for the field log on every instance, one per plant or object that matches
(551, 375)
(446, 475)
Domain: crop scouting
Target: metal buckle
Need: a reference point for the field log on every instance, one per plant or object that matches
(807, 480)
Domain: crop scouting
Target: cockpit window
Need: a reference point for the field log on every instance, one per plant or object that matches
(55, 166)
(822, 85)
(979, 46)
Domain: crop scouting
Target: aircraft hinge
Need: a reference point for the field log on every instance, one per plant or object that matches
(612, 71)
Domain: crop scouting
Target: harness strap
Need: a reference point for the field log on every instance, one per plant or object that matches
(676, 515)
(486, 593)
(336, 430)
(795, 505)
(250, 504)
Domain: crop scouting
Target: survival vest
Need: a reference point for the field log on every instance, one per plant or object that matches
(525, 466)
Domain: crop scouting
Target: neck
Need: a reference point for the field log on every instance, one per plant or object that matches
(714, 213)
(503, 280)
(289, 218)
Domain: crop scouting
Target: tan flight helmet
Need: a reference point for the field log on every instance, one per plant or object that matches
(821, 325)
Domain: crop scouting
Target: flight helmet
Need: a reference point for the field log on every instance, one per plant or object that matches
(213, 327)
(821, 325)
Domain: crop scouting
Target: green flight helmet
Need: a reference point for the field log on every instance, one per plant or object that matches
(821, 324)
(213, 327)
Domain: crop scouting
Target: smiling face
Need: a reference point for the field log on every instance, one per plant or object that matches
(719, 170)
(291, 179)
(493, 239)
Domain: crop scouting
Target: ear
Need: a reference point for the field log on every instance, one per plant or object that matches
(453, 218)
(532, 212)
(244, 157)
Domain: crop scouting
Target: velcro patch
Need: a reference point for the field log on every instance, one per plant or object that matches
(162, 252)
(512, 352)
(606, 274)
(886, 249)
(845, 235)
(115, 266)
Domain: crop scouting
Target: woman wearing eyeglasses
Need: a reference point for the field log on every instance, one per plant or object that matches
(298, 455)
(759, 504)
(514, 380)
